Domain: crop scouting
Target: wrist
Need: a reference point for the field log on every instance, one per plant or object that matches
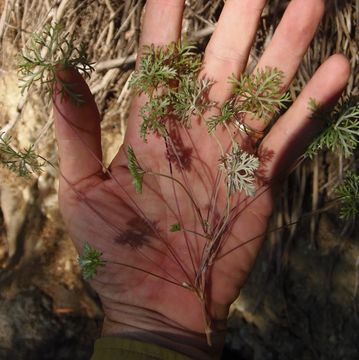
(149, 326)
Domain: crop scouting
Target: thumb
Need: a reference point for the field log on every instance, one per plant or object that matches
(77, 128)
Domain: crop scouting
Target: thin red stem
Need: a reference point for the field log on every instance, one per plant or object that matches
(181, 221)
(176, 282)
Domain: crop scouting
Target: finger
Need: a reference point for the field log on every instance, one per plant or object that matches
(77, 130)
(228, 50)
(161, 25)
(162, 22)
(294, 131)
(289, 43)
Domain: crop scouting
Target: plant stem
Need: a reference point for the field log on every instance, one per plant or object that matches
(198, 211)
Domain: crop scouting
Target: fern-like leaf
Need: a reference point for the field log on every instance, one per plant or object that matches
(239, 167)
(161, 66)
(135, 169)
(154, 114)
(22, 162)
(90, 261)
(260, 93)
(348, 193)
(190, 99)
(228, 111)
(341, 134)
(48, 52)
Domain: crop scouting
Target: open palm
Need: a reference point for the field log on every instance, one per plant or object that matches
(149, 283)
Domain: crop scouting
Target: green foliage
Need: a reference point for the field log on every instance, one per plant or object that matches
(190, 99)
(228, 111)
(341, 134)
(159, 66)
(349, 196)
(89, 261)
(316, 109)
(168, 75)
(151, 75)
(23, 162)
(175, 227)
(260, 93)
(163, 66)
(135, 170)
(239, 167)
(154, 114)
(48, 52)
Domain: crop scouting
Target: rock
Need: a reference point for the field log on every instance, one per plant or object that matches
(34, 332)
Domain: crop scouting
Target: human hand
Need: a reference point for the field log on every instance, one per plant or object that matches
(155, 285)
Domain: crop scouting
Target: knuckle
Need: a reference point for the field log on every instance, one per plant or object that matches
(226, 54)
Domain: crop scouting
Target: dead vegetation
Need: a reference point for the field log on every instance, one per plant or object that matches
(35, 253)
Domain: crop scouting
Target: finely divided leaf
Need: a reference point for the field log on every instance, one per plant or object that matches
(162, 66)
(135, 169)
(239, 167)
(349, 197)
(261, 93)
(89, 261)
(53, 49)
(23, 162)
(342, 133)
